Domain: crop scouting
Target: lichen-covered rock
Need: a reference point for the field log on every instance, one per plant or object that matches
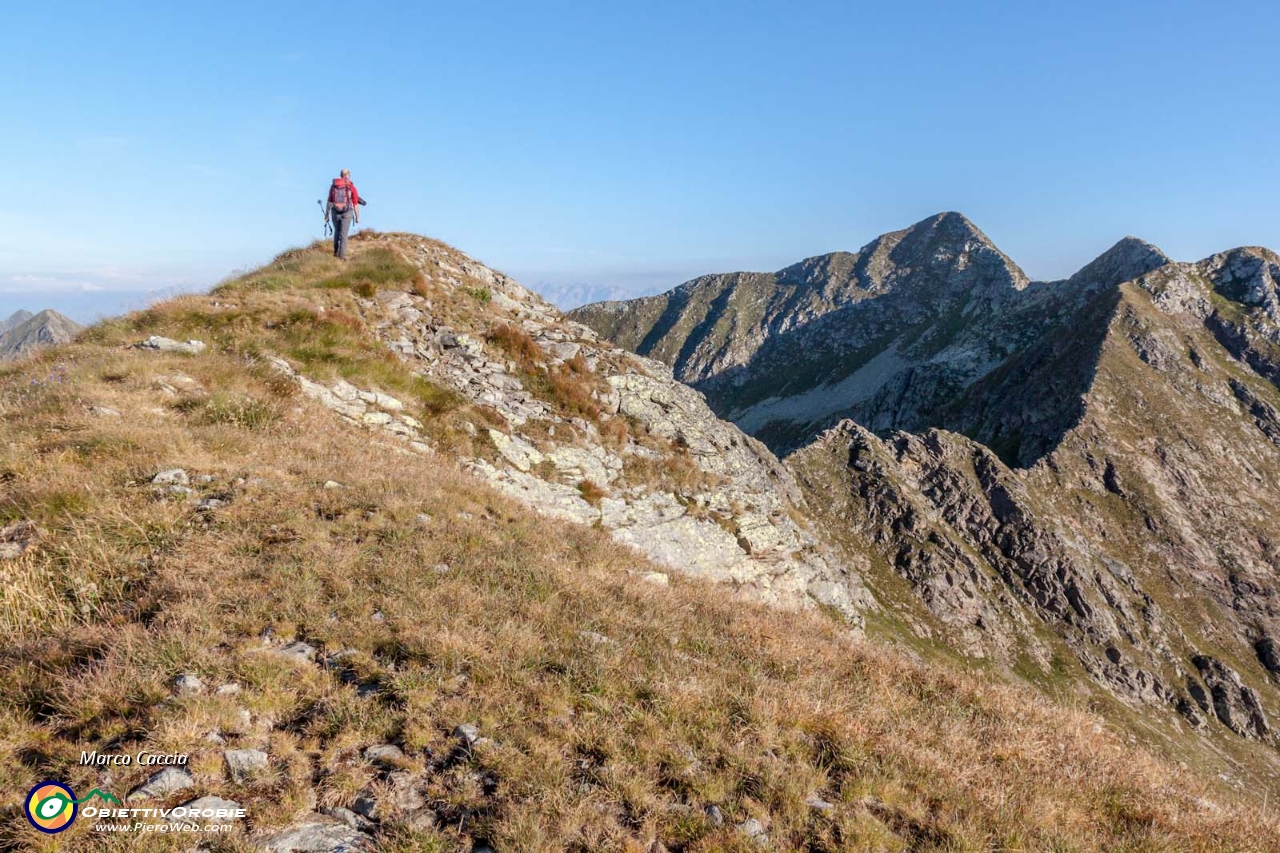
(243, 764)
(168, 781)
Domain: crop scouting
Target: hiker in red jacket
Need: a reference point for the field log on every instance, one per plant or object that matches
(344, 202)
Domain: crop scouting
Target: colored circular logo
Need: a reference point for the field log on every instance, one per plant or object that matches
(51, 807)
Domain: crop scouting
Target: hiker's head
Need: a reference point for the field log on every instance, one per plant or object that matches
(346, 173)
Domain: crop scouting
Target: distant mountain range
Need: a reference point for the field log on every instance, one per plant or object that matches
(903, 333)
(24, 332)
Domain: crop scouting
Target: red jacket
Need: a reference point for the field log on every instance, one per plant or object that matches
(343, 182)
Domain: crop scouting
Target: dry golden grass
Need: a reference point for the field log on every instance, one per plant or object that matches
(671, 470)
(570, 387)
(421, 287)
(614, 433)
(591, 492)
(693, 700)
(519, 346)
(575, 394)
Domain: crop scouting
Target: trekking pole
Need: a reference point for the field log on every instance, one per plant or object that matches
(325, 214)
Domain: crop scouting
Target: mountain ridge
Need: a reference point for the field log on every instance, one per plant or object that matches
(34, 331)
(771, 303)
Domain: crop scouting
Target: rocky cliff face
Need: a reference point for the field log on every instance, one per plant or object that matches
(1245, 316)
(1074, 480)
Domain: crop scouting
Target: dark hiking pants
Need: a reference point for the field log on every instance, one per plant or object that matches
(341, 225)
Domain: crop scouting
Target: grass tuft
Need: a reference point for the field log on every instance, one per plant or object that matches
(519, 346)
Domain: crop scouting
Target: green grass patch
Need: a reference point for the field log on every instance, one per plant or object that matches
(367, 272)
(370, 271)
(435, 399)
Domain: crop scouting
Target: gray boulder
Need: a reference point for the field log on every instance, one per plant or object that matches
(171, 477)
(159, 344)
(243, 764)
(162, 784)
(299, 651)
(315, 833)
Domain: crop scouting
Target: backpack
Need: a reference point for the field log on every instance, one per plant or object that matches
(340, 196)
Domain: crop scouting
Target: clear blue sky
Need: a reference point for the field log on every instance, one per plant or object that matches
(615, 148)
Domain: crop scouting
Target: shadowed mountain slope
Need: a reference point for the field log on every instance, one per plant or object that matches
(1147, 538)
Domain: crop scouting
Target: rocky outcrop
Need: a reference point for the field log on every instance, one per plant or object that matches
(1233, 702)
(159, 344)
(1265, 416)
(362, 407)
(17, 538)
(1250, 277)
(315, 833)
(633, 451)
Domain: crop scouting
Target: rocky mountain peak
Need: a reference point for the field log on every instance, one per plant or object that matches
(1249, 275)
(17, 318)
(955, 225)
(43, 329)
(1126, 260)
(945, 252)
